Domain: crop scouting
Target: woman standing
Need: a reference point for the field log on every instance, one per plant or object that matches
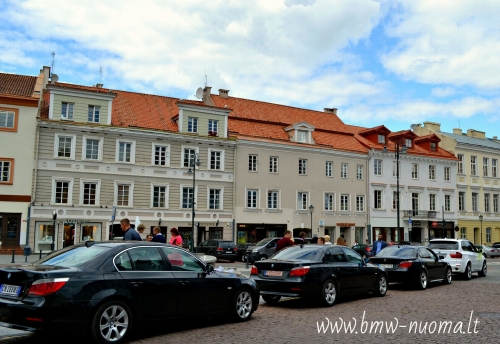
(176, 238)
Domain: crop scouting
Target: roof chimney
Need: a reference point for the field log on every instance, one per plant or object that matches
(207, 100)
(457, 131)
(495, 138)
(432, 126)
(331, 110)
(476, 134)
(223, 93)
(99, 85)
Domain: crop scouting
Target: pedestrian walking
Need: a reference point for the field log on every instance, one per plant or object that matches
(130, 233)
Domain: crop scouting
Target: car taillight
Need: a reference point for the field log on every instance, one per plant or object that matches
(235, 249)
(405, 265)
(254, 270)
(219, 249)
(456, 255)
(299, 271)
(47, 286)
(368, 249)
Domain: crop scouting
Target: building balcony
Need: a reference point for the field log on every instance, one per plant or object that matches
(419, 214)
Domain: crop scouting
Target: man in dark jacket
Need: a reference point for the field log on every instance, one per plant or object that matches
(158, 237)
(379, 245)
(130, 233)
(285, 241)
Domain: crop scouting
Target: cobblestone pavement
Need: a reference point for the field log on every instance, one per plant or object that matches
(472, 307)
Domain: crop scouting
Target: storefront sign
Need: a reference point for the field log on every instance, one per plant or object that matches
(205, 224)
(345, 224)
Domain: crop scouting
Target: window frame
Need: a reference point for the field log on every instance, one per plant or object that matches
(475, 200)
(93, 118)
(360, 171)
(100, 145)
(447, 203)
(329, 197)
(211, 124)
(97, 183)
(10, 179)
(184, 163)
(377, 167)
(461, 201)
(432, 202)
(273, 164)
(473, 165)
(329, 169)
(432, 172)
(15, 120)
(494, 168)
(192, 125)
(486, 163)
(252, 163)
(344, 170)
(378, 196)
(362, 198)
(269, 193)
(447, 173)
(381, 138)
(153, 154)
(65, 116)
(487, 203)
(414, 171)
(344, 206)
(302, 167)
(221, 159)
(302, 199)
(167, 191)
(460, 166)
(495, 202)
(70, 182)
(72, 154)
(130, 193)
(132, 151)
(254, 193)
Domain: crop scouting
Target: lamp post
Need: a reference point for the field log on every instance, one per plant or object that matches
(311, 211)
(481, 233)
(194, 162)
(54, 218)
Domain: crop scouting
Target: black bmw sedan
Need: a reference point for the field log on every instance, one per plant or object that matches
(323, 272)
(108, 288)
(416, 265)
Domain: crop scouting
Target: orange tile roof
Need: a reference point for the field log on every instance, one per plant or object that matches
(17, 85)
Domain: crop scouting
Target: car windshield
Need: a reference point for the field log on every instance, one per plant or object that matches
(73, 258)
(298, 253)
(396, 251)
(263, 242)
(444, 245)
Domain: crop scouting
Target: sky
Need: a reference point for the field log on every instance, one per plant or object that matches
(392, 63)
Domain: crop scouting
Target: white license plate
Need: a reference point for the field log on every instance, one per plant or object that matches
(229, 252)
(273, 273)
(10, 289)
(388, 266)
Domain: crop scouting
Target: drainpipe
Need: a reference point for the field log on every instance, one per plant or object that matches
(235, 237)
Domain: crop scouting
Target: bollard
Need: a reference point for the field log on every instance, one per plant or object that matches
(246, 266)
(13, 251)
(40, 254)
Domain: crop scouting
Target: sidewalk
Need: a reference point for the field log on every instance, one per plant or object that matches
(6, 259)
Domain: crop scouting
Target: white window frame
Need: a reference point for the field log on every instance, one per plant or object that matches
(344, 170)
(167, 193)
(461, 201)
(447, 202)
(132, 151)
(494, 168)
(67, 116)
(56, 146)
(381, 138)
(475, 201)
(211, 124)
(447, 173)
(167, 154)
(273, 164)
(487, 203)
(221, 197)
(94, 107)
(193, 122)
(70, 182)
(302, 136)
(347, 203)
(460, 166)
(331, 200)
(432, 172)
(362, 198)
(360, 171)
(302, 167)
(301, 203)
(222, 154)
(377, 167)
(473, 165)
(486, 167)
(195, 193)
(395, 169)
(97, 182)
(395, 199)
(4, 126)
(488, 234)
(414, 171)
(253, 162)
(329, 169)
(99, 147)
(130, 194)
(496, 199)
(183, 148)
(278, 198)
(433, 202)
(257, 193)
(409, 143)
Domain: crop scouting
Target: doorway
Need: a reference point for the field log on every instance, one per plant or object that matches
(10, 227)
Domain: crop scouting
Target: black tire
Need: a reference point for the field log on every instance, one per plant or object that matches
(112, 323)
(328, 293)
(422, 280)
(468, 272)
(448, 276)
(263, 258)
(381, 287)
(484, 270)
(242, 305)
(271, 299)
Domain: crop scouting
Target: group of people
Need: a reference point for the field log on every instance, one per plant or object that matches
(287, 240)
(157, 236)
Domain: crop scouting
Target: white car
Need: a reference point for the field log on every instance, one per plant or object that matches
(462, 255)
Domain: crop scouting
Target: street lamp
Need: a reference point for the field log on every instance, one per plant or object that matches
(311, 211)
(399, 147)
(481, 220)
(194, 162)
(54, 218)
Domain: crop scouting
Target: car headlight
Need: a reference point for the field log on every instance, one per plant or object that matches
(255, 251)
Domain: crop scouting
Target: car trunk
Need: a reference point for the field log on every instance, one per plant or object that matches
(389, 262)
(278, 269)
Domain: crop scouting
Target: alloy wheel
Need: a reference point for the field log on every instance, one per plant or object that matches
(243, 305)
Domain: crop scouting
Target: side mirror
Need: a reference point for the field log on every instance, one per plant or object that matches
(366, 260)
(210, 268)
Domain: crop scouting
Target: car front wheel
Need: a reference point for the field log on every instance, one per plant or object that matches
(468, 272)
(448, 276)
(263, 258)
(381, 286)
(422, 280)
(328, 293)
(242, 306)
(112, 322)
(484, 270)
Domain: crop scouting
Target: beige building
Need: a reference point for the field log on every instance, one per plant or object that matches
(478, 181)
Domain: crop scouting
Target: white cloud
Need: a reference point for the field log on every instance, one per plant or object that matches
(443, 91)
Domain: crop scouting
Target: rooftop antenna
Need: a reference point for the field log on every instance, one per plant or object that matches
(100, 74)
(53, 62)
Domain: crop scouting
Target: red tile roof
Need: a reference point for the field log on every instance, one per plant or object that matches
(17, 85)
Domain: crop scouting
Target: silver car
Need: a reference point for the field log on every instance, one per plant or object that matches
(489, 252)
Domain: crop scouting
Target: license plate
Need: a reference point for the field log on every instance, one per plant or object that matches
(229, 252)
(273, 273)
(389, 266)
(10, 289)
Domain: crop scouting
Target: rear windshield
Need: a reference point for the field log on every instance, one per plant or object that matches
(444, 245)
(73, 258)
(226, 244)
(395, 251)
(298, 253)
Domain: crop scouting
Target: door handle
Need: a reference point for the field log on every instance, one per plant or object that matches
(135, 284)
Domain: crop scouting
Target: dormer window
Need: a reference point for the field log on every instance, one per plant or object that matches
(192, 125)
(213, 127)
(381, 139)
(408, 143)
(433, 146)
(302, 136)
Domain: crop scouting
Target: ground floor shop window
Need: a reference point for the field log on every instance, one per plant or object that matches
(215, 232)
(44, 236)
(91, 232)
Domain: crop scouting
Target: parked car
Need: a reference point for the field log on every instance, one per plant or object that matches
(462, 255)
(242, 249)
(496, 245)
(265, 249)
(363, 250)
(323, 272)
(108, 288)
(417, 265)
(221, 249)
(488, 251)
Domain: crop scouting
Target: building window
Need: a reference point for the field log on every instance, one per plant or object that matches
(381, 139)
(273, 164)
(343, 170)
(214, 199)
(460, 164)
(215, 160)
(123, 195)
(89, 193)
(486, 202)
(272, 199)
(62, 191)
(124, 151)
(395, 170)
(473, 161)
(302, 136)
(486, 162)
(192, 125)
(414, 171)
(432, 202)
(394, 200)
(302, 202)
(432, 172)
(463, 233)
(494, 168)
(302, 166)
(409, 143)
(344, 202)
(447, 202)
(414, 202)
(159, 196)
(189, 156)
(495, 203)
(360, 203)
(93, 114)
(252, 163)
(6, 167)
(65, 146)
(474, 201)
(252, 198)
(8, 119)
(433, 146)
(377, 167)
(329, 168)
(213, 127)
(187, 197)
(377, 199)
(359, 172)
(461, 201)
(92, 149)
(67, 111)
(447, 174)
(488, 234)
(329, 201)
(160, 155)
